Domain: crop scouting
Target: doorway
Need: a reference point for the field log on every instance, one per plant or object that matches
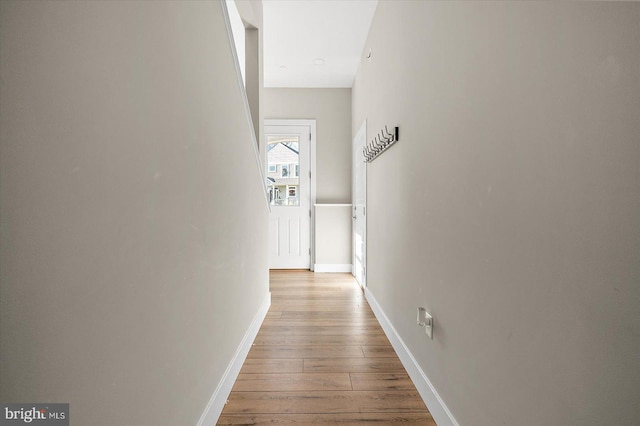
(359, 188)
(289, 148)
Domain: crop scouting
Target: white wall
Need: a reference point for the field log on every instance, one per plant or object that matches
(510, 206)
(129, 271)
(331, 108)
(251, 14)
(333, 236)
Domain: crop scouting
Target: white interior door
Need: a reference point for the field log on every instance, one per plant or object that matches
(359, 207)
(288, 184)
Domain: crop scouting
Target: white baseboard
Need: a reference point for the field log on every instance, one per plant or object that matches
(221, 394)
(435, 404)
(332, 267)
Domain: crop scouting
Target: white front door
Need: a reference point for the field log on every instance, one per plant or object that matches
(359, 207)
(288, 187)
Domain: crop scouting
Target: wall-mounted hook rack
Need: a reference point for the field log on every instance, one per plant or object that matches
(383, 140)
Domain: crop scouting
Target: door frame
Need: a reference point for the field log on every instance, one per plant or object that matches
(312, 169)
(361, 135)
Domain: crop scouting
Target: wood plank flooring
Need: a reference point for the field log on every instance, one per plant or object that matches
(321, 357)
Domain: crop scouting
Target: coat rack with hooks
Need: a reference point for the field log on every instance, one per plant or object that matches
(383, 140)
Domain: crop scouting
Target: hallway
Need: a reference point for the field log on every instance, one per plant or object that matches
(321, 357)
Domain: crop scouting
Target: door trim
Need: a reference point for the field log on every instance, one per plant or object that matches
(312, 169)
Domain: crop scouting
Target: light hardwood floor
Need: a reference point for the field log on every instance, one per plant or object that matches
(321, 357)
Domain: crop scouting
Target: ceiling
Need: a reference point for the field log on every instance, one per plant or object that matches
(314, 43)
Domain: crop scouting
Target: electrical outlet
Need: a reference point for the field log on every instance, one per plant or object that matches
(425, 320)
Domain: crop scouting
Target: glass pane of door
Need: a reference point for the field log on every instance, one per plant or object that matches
(283, 170)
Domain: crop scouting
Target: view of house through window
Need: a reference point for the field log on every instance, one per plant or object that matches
(283, 176)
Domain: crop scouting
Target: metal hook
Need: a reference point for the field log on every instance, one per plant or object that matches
(389, 135)
(376, 141)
